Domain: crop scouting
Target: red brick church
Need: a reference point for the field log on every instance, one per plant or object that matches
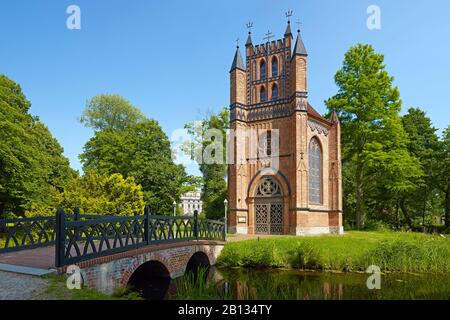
(296, 189)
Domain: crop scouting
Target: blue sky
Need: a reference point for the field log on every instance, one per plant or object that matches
(172, 58)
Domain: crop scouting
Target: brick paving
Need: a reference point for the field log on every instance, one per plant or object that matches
(43, 258)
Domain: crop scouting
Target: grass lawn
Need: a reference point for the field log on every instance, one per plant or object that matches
(354, 251)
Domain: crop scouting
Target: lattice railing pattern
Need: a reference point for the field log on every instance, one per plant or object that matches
(82, 237)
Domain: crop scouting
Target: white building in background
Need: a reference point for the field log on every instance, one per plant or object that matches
(191, 201)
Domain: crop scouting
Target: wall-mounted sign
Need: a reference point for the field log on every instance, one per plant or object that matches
(242, 219)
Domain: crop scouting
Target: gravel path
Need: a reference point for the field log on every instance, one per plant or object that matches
(14, 286)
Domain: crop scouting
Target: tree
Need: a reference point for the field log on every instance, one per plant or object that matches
(136, 148)
(32, 165)
(373, 138)
(96, 193)
(424, 145)
(214, 190)
(113, 112)
(443, 175)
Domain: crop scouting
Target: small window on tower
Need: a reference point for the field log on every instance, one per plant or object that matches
(262, 70)
(274, 92)
(274, 67)
(262, 95)
(269, 143)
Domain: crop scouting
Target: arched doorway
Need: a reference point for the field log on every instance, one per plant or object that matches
(269, 207)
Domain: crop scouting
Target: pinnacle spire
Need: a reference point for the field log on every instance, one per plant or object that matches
(249, 39)
(299, 48)
(334, 117)
(288, 31)
(238, 63)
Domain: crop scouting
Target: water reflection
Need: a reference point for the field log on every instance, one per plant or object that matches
(245, 284)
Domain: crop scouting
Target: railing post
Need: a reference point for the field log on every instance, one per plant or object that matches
(77, 217)
(196, 224)
(136, 225)
(147, 236)
(60, 238)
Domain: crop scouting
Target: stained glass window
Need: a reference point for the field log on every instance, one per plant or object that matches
(315, 172)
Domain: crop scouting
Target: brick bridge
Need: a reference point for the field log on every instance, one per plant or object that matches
(112, 252)
(106, 274)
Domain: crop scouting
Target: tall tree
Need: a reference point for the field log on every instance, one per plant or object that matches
(373, 138)
(443, 176)
(137, 147)
(214, 190)
(424, 145)
(32, 165)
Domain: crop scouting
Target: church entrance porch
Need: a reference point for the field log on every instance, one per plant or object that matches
(269, 208)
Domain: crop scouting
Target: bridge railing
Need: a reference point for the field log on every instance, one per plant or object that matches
(34, 232)
(81, 240)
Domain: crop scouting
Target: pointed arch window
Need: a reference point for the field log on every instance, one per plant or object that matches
(315, 172)
(262, 94)
(274, 67)
(262, 70)
(274, 92)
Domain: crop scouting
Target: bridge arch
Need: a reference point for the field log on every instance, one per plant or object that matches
(197, 260)
(151, 279)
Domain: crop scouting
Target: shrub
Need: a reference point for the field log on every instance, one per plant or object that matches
(305, 256)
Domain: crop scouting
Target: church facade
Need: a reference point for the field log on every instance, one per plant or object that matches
(285, 177)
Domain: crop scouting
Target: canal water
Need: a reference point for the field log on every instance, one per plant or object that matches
(250, 284)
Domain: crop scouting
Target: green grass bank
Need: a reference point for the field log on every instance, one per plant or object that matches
(352, 252)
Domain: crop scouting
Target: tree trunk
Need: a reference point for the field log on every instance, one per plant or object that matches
(447, 206)
(397, 217)
(406, 213)
(424, 214)
(359, 197)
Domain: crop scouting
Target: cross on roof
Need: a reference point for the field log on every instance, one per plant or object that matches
(299, 23)
(237, 42)
(249, 26)
(269, 36)
(289, 15)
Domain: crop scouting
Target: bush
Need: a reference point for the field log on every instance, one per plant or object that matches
(306, 256)
(377, 225)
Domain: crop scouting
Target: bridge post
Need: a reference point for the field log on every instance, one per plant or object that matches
(135, 225)
(146, 225)
(196, 224)
(60, 237)
(77, 217)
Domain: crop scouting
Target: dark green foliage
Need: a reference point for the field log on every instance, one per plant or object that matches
(32, 165)
(134, 147)
(378, 168)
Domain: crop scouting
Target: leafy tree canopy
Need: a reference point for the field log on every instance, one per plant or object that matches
(32, 164)
(136, 147)
(374, 141)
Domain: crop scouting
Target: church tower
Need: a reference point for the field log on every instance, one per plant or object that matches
(284, 175)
